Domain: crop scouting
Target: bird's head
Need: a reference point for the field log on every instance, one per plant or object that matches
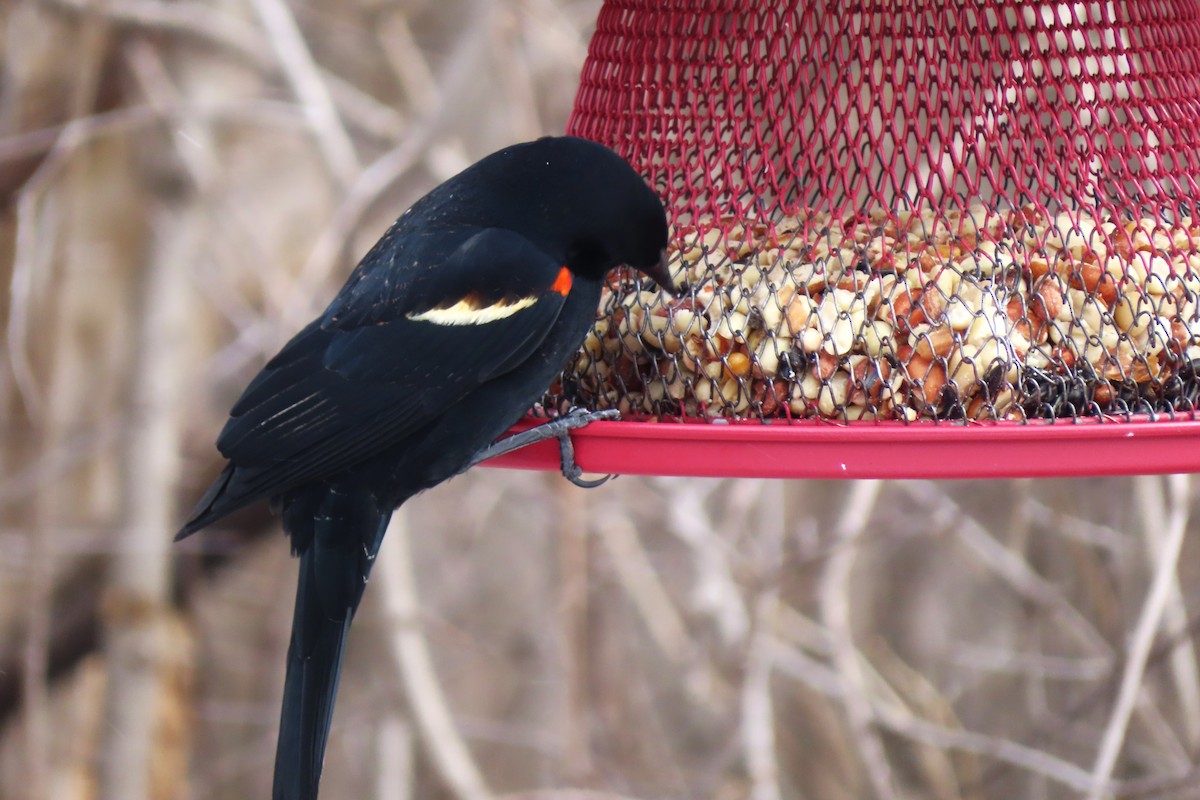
(593, 209)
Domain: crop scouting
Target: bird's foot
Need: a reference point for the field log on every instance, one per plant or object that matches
(558, 428)
(577, 418)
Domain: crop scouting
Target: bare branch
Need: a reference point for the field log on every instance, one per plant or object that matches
(715, 593)
(140, 576)
(423, 142)
(209, 25)
(758, 711)
(834, 595)
(394, 774)
(307, 83)
(574, 570)
(1148, 624)
(404, 56)
(1158, 516)
(667, 627)
(397, 589)
(1028, 758)
(636, 574)
(193, 140)
(817, 676)
(29, 261)
(1039, 665)
(1013, 570)
(1092, 534)
(35, 652)
(189, 18)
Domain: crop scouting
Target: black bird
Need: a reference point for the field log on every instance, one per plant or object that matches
(450, 328)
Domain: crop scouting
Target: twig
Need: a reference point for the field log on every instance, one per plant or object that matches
(1038, 665)
(792, 662)
(397, 589)
(946, 775)
(1089, 532)
(35, 695)
(89, 55)
(191, 18)
(1036, 761)
(331, 243)
(834, 593)
(1140, 643)
(758, 712)
(715, 593)
(997, 558)
(198, 152)
(301, 71)
(1033, 688)
(446, 156)
(394, 771)
(421, 143)
(562, 33)
(31, 256)
(798, 629)
(514, 76)
(666, 625)
(140, 577)
(1162, 787)
(1151, 506)
(31, 263)
(201, 21)
(29, 260)
(636, 574)
(799, 665)
(571, 538)
(193, 140)
(529, 735)
(403, 54)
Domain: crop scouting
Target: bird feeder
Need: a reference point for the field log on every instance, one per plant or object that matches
(952, 239)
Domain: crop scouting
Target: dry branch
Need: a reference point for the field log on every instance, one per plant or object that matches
(138, 599)
(715, 592)
(757, 707)
(1142, 638)
(1014, 571)
(306, 81)
(835, 594)
(1160, 516)
(414, 665)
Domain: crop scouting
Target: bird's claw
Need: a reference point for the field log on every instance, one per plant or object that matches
(573, 419)
(585, 483)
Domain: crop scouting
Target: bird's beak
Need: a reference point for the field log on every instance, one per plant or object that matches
(661, 274)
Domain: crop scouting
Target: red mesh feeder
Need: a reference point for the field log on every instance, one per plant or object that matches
(966, 228)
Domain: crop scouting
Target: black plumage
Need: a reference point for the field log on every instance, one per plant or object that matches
(444, 335)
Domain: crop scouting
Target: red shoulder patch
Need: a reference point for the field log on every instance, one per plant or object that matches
(562, 284)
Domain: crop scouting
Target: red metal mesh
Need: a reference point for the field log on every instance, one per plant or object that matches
(733, 106)
(914, 156)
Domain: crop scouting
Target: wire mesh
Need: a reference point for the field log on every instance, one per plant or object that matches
(927, 211)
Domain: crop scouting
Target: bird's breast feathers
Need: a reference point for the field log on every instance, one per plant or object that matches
(477, 309)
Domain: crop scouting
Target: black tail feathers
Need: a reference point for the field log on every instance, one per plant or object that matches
(337, 537)
(314, 665)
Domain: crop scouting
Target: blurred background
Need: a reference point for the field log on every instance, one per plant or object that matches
(182, 184)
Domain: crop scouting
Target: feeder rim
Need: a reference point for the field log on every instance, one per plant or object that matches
(874, 449)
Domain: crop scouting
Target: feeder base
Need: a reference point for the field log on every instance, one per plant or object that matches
(817, 449)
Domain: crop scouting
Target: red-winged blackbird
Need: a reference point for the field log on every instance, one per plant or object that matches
(450, 328)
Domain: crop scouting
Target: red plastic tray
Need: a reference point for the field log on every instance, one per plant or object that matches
(816, 449)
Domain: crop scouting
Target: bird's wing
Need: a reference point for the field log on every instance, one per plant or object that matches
(364, 376)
